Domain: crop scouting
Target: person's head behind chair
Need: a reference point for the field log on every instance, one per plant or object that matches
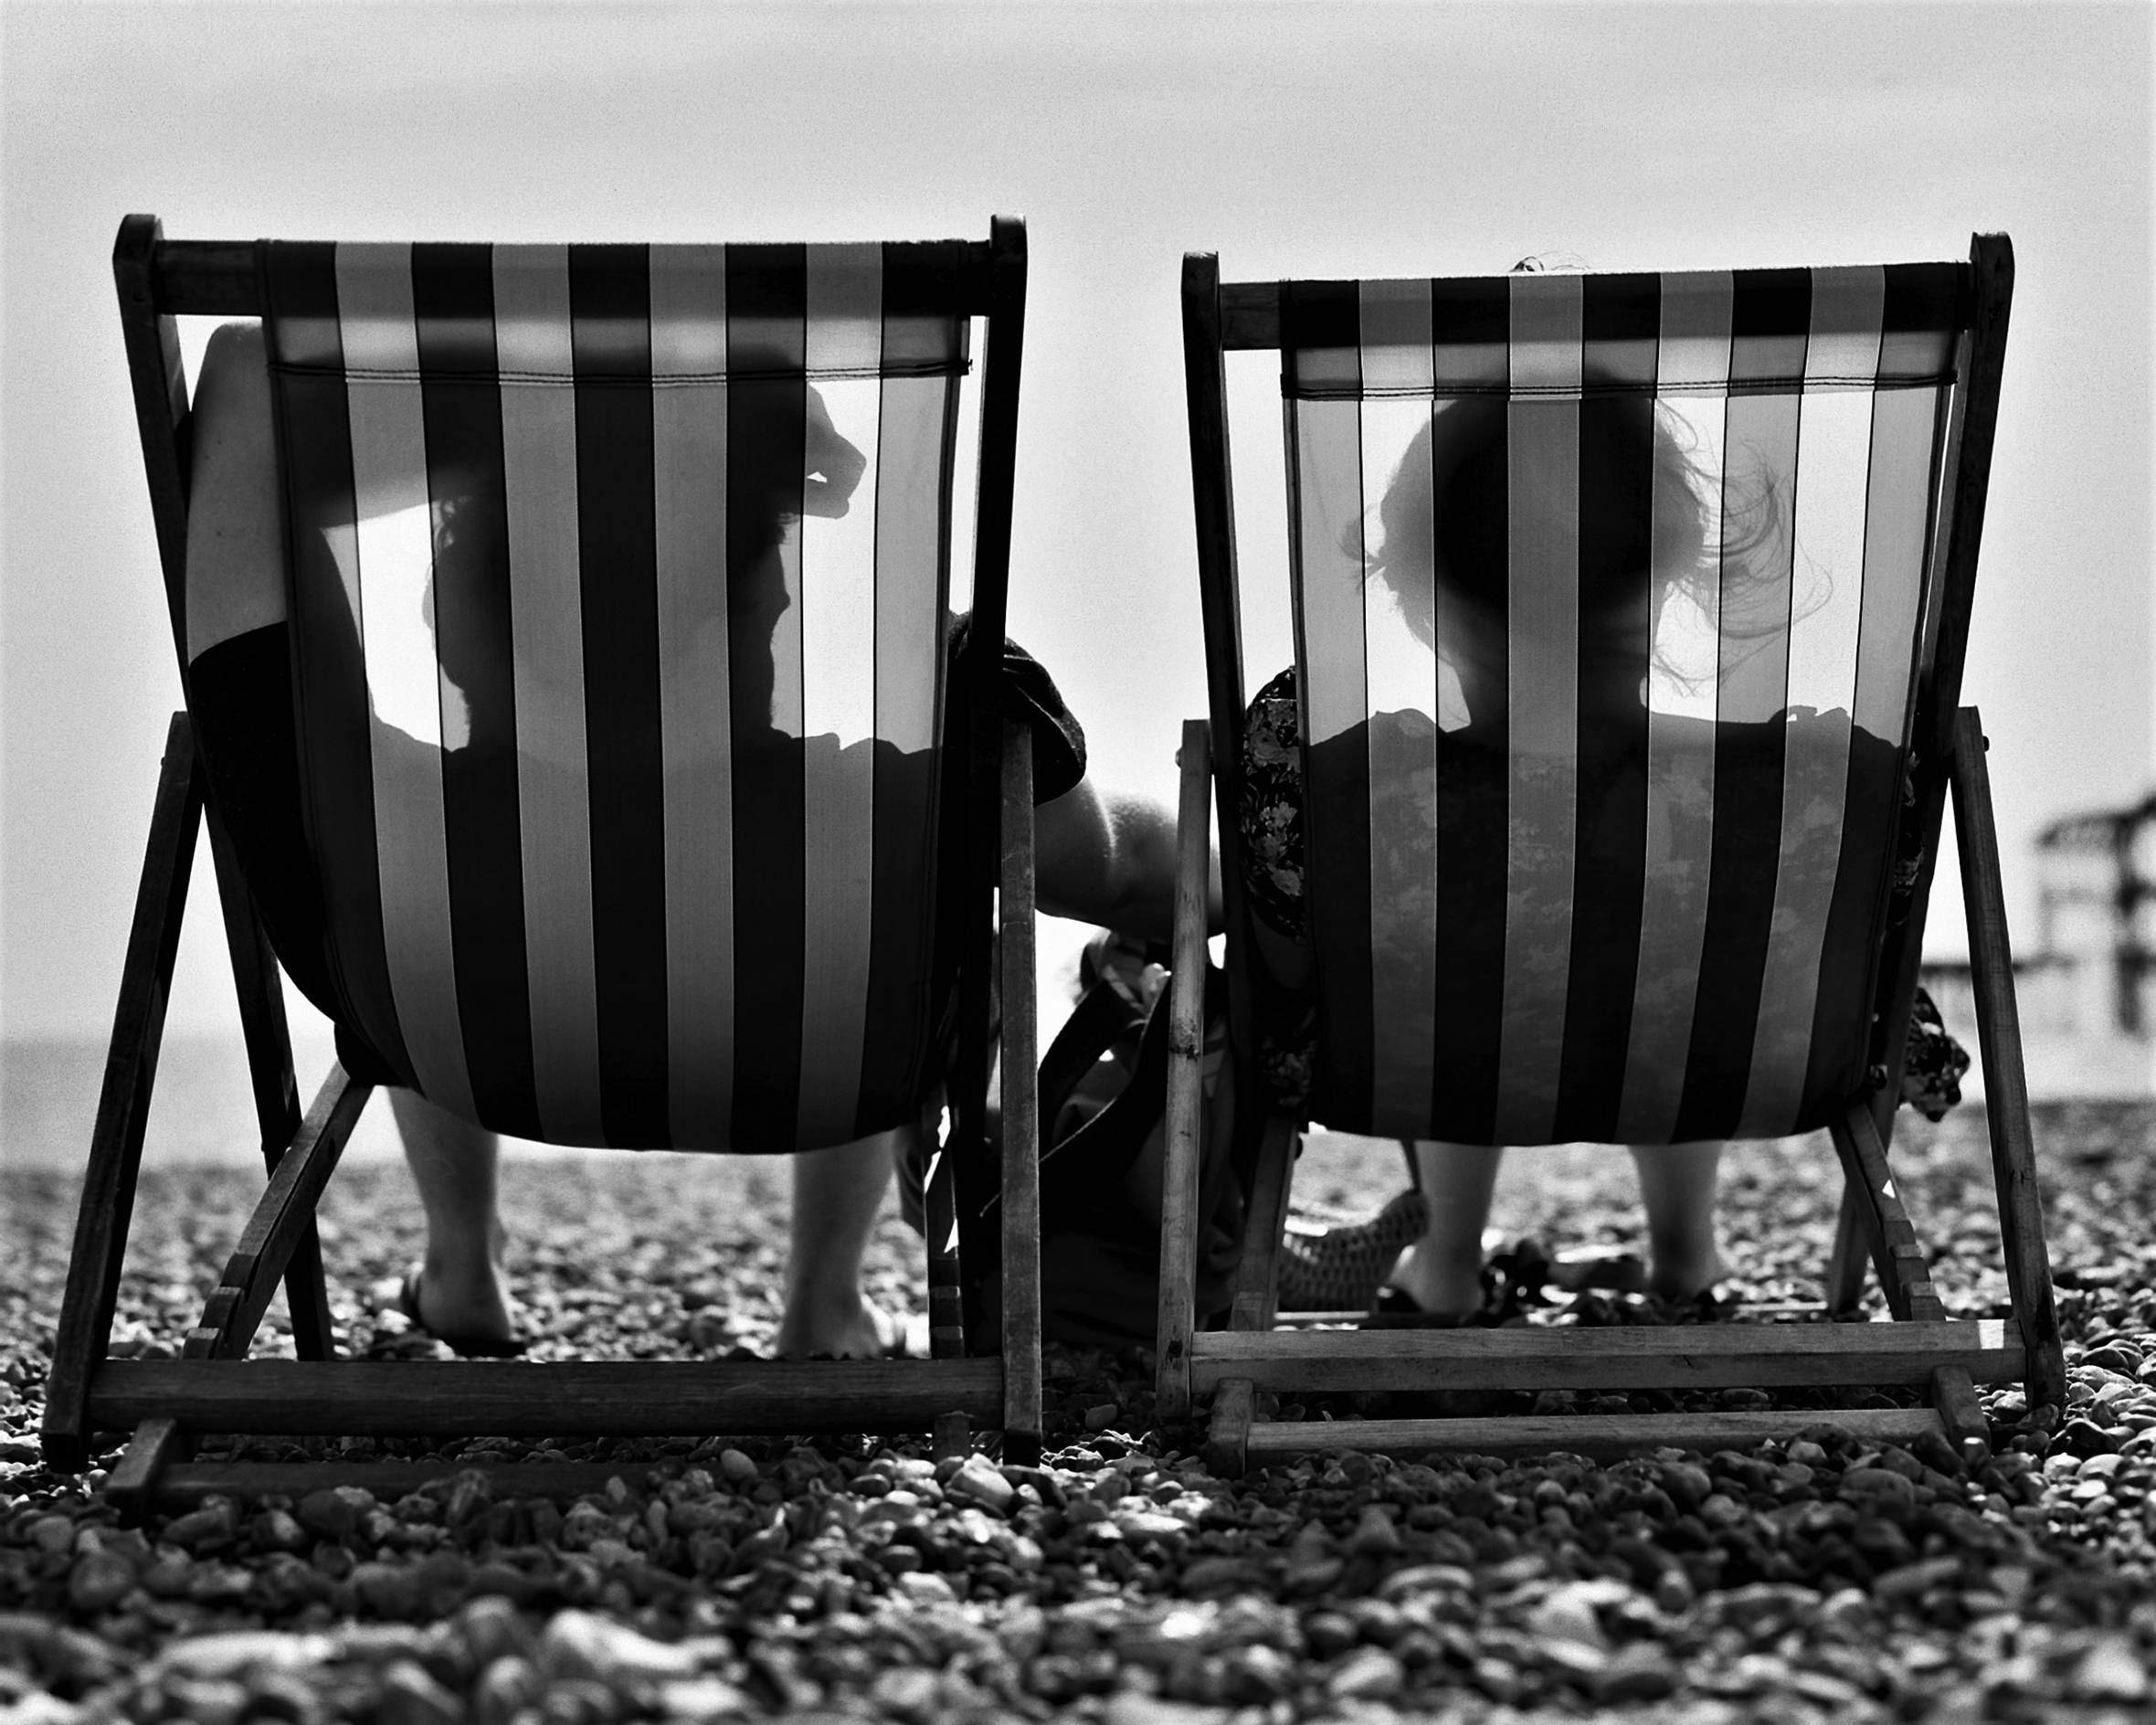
(1460, 502)
(785, 460)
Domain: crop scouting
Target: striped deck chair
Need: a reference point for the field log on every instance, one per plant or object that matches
(1633, 844)
(621, 765)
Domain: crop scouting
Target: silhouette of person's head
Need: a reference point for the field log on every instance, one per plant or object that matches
(785, 459)
(1468, 501)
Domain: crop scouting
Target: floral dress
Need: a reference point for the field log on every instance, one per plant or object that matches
(1270, 822)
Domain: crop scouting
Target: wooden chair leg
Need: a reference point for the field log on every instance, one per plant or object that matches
(1257, 1276)
(123, 1109)
(131, 1487)
(953, 1438)
(975, 1165)
(1953, 1394)
(1186, 1084)
(939, 1203)
(282, 1219)
(1227, 1439)
(2006, 1086)
(1021, 1131)
(1895, 1251)
(270, 1065)
(1846, 1266)
(961, 1199)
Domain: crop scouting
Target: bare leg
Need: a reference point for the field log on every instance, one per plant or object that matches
(837, 1195)
(1442, 1272)
(463, 1294)
(1678, 1183)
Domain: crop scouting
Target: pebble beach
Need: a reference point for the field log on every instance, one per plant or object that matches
(709, 1579)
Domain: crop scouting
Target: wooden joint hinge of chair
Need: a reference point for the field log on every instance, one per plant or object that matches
(947, 1306)
(1911, 1297)
(131, 1068)
(2006, 1088)
(1883, 1216)
(282, 1218)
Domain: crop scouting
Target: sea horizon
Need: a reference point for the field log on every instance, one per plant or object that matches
(202, 1109)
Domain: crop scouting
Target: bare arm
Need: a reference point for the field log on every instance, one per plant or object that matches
(235, 566)
(1111, 859)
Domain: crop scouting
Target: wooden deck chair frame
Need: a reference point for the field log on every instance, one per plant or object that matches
(168, 1404)
(1919, 1348)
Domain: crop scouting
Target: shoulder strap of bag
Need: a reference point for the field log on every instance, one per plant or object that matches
(1102, 1150)
(1103, 1018)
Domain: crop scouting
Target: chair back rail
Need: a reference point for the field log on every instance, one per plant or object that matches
(1604, 828)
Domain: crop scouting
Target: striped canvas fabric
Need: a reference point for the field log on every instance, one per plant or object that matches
(618, 584)
(1609, 592)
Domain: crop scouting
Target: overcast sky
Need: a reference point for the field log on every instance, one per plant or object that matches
(1332, 140)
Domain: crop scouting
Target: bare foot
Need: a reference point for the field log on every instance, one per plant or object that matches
(1683, 1278)
(467, 1299)
(864, 1331)
(1439, 1288)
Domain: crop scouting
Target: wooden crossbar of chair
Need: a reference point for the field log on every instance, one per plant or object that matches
(1262, 1354)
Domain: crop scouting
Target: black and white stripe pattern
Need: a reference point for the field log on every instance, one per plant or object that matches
(620, 706)
(1648, 926)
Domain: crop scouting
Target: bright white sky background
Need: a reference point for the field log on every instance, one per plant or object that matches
(1295, 139)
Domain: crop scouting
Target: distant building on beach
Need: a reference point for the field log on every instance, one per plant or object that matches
(2097, 876)
(2086, 987)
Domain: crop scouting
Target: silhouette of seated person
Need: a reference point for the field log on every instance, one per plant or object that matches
(1100, 858)
(1461, 542)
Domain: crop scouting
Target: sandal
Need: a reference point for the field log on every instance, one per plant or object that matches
(1393, 1309)
(1513, 1279)
(470, 1347)
(1618, 1269)
(1595, 1310)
